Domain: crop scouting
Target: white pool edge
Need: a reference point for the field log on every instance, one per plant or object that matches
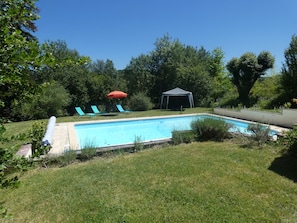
(65, 138)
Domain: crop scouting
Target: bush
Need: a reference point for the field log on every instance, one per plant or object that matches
(260, 133)
(67, 158)
(179, 137)
(87, 154)
(140, 102)
(291, 141)
(36, 134)
(211, 129)
(10, 167)
(51, 101)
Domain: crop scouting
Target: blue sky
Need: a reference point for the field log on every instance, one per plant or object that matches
(121, 29)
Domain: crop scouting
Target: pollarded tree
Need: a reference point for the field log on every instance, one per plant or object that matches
(289, 72)
(246, 70)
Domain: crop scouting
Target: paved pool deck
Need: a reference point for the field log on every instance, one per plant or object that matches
(64, 136)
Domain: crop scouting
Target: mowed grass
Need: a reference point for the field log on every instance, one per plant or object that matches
(197, 182)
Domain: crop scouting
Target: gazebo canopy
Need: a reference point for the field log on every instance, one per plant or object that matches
(177, 92)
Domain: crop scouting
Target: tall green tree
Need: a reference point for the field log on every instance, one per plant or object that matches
(289, 73)
(138, 75)
(221, 83)
(70, 71)
(246, 70)
(19, 51)
(107, 68)
(163, 65)
(197, 80)
(169, 61)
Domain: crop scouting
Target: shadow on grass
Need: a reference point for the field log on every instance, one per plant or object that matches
(286, 166)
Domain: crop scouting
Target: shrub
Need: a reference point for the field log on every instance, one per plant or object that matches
(291, 141)
(260, 133)
(138, 144)
(179, 137)
(51, 101)
(140, 102)
(210, 129)
(87, 154)
(36, 134)
(67, 158)
(10, 166)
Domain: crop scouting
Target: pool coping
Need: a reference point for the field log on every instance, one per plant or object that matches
(64, 137)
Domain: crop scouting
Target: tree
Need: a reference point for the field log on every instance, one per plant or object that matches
(163, 66)
(221, 83)
(107, 68)
(19, 51)
(289, 72)
(246, 70)
(138, 75)
(70, 70)
(266, 91)
(169, 61)
(51, 101)
(197, 80)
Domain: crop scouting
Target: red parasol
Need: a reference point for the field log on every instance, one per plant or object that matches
(117, 94)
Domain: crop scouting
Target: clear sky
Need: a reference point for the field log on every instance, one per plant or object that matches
(121, 29)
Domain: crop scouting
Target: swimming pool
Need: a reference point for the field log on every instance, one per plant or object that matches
(122, 132)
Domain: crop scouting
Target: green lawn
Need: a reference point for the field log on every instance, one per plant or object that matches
(198, 182)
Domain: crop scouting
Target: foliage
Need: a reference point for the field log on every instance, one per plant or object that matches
(87, 154)
(138, 74)
(289, 72)
(3, 212)
(221, 83)
(69, 71)
(20, 55)
(10, 168)
(10, 165)
(49, 102)
(140, 102)
(179, 137)
(260, 133)
(290, 139)
(36, 134)
(138, 144)
(67, 158)
(266, 91)
(246, 70)
(198, 81)
(210, 129)
(2, 131)
(168, 66)
(98, 86)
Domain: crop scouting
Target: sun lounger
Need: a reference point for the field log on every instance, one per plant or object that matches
(96, 110)
(120, 108)
(80, 112)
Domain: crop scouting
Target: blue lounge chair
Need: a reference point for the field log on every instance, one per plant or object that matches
(120, 108)
(81, 113)
(96, 110)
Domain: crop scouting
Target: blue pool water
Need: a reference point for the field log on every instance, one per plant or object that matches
(120, 132)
